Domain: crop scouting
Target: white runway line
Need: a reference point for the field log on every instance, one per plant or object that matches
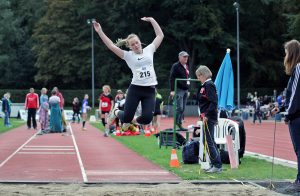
(84, 176)
(15, 152)
(127, 173)
(49, 149)
(49, 146)
(65, 153)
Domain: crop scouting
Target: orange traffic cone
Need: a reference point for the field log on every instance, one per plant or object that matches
(147, 132)
(174, 160)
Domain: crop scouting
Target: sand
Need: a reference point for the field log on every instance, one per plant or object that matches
(183, 189)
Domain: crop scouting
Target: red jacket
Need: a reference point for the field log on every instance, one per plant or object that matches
(62, 100)
(32, 101)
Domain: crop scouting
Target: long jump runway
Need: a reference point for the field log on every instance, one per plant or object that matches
(77, 156)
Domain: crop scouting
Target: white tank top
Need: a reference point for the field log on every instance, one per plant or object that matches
(142, 66)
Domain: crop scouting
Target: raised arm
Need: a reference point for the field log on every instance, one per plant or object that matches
(118, 51)
(158, 32)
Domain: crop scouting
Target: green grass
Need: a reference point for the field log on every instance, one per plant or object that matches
(14, 122)
(249, 169)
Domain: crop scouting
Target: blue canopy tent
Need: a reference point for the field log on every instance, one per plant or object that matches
(224, 83)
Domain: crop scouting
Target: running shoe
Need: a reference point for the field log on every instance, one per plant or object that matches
(112, 116)
(214, 169)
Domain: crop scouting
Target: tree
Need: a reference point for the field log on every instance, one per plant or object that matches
(59, 55)
(9, 39)
(292, 13)
(28, 12)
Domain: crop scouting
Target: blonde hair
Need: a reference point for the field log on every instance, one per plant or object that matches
(292, 56)
(108, 88)
(204, 71)
(121, 42)
(44, 90)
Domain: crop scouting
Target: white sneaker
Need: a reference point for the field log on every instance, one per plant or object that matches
(112, 116)
(214, 170)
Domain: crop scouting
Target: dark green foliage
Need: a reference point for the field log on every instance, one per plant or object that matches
(48, 43)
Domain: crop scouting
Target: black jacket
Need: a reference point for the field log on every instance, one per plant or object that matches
(292, 102)
(208, 100)
(178, 71)
(5, 105)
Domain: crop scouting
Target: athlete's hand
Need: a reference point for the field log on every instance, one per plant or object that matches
(147, 19)
(97, 26)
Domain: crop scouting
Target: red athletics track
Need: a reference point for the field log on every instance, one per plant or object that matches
(79, 156)
(87, 156)
(259, 138)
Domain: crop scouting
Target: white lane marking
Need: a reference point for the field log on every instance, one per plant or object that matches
(127, 173)
(54, 149)
(84, 176)
(46, 153)
(49, 146)
(15, 152)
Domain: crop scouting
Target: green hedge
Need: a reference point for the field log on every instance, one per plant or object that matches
(18, 96)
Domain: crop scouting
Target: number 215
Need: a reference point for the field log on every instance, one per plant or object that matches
(144, 74)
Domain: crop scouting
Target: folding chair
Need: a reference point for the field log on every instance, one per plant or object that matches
(224, 127)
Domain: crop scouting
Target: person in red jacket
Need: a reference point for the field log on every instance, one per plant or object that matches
(31, 104)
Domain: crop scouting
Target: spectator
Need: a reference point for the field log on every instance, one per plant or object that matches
(119, 102)
(76, 110)
(257, 112)
(106, 103)
(208, 105)
(55, 117)
(6, 109)
(84, 109)
(61, 106)
(180, 70)
(43, 111)
(31, 104)
(292, 103)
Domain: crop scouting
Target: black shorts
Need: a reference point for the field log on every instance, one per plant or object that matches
(104, 112)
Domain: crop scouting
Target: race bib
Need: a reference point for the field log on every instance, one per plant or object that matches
(104, 104)
(145, 72)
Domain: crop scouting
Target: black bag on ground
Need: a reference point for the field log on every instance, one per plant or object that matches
(167, 138)
(224, 154)
(242, 133)
(190, 152)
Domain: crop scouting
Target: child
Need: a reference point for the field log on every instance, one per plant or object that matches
(6, 109)
(76, 110)
(43, 111)
(119, 102)
(106, 104)
(84, 110)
